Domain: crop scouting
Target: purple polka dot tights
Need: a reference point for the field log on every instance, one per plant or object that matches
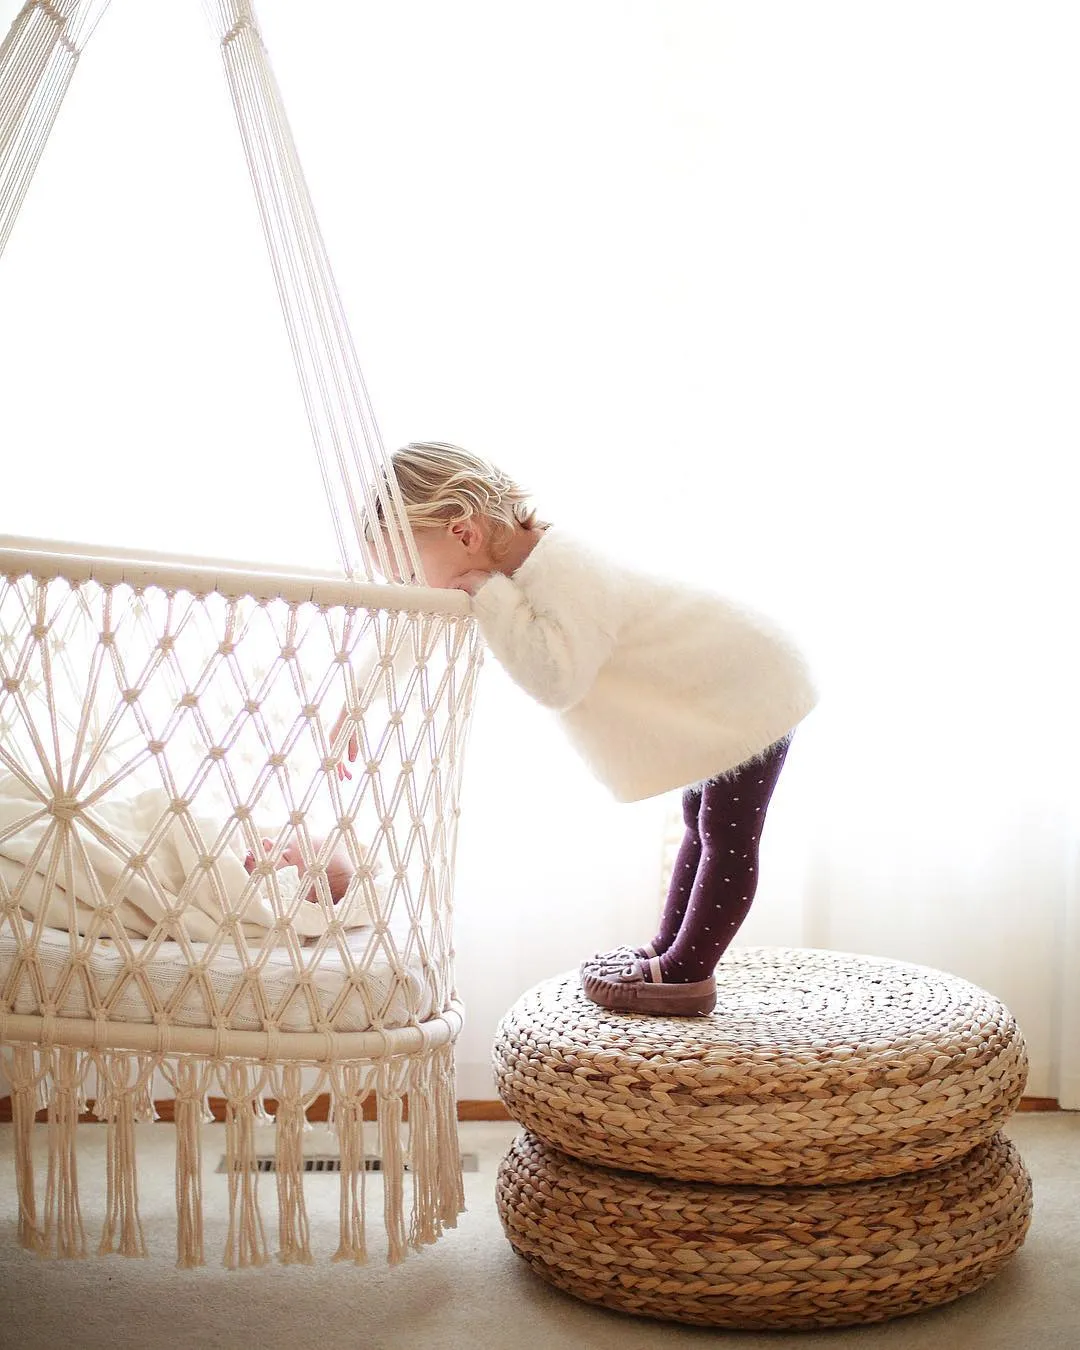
(716, 871)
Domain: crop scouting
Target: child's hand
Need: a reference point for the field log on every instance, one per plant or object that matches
(351, 750)
(471, 581)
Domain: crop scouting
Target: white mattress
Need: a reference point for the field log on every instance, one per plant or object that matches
(378, 995)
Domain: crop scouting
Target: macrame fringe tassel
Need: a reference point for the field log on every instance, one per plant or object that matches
(63, 1220)
(388, 1094)
(117, 1105)
(190, 1080)
(434, 1153)
(424, 1224)
(25, 1081)
(245, 1244)
(294, 1235)
(447, 1138)
(54, 1077)
(349, 1091)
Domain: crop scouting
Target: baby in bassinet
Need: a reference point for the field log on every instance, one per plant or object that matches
(338, 865)
(150, 867)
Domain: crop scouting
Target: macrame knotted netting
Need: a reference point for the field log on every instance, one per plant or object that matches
(190, 891)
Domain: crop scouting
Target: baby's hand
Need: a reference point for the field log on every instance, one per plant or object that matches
(249, 858)
(471, 581)
(351, 750)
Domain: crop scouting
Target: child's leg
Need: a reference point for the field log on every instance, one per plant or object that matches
(678, 895)
(730, 818)
(682, 875)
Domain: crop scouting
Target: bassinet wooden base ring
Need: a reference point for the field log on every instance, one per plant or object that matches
(765, 1257)
(303, 1047)
(816, 1066)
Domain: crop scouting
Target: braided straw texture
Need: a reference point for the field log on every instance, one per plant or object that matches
(762, 1257)
(816, 1066)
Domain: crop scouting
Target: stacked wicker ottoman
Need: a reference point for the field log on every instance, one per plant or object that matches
(824, 1149)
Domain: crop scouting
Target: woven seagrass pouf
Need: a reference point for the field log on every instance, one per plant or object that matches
(816, 1066)
(762, 1257)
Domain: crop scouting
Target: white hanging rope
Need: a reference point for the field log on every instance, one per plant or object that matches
(339, 411)
(37, 62)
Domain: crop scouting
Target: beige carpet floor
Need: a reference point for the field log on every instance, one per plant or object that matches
(469, 1291)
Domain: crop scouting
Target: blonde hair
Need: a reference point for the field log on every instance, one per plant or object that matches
(442, 484)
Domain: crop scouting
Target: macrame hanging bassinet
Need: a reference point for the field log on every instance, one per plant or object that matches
(171, 815)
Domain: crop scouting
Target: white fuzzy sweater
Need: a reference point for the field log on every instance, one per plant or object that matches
(657, 685)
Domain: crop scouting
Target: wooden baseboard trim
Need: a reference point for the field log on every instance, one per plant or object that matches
(482, 1111)
(466, 1110)
(318, 1111)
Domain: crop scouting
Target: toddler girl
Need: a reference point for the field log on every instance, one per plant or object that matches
(659, 686)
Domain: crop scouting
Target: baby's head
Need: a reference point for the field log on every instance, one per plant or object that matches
(339, 868)
(464, 512)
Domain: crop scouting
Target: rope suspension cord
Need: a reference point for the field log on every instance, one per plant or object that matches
(339, 409)
(37, 62)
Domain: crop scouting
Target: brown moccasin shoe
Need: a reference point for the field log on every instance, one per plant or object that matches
(628, 990)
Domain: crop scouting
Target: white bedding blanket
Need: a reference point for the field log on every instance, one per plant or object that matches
(365, 991)
(142, 900)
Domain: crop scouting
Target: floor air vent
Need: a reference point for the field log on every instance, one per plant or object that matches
(469, 1163)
